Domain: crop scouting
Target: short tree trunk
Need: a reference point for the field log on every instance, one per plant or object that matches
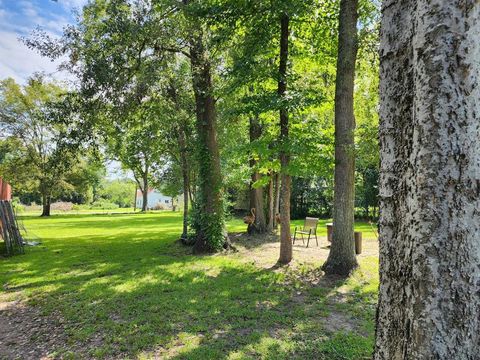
(46, 205)
(145, 194)
(429, 297)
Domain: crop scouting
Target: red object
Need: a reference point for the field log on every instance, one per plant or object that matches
(5, 190)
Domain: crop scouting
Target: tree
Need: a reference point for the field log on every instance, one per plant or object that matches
(429, 185)
(341, 259)
(26, 114)
(285, 239)
(259, 226)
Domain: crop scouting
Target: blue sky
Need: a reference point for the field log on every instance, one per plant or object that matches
(18, 18)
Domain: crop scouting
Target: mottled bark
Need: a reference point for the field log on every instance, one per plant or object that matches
(341, 259)
(429, 297)
(285, 239)
(256, 193)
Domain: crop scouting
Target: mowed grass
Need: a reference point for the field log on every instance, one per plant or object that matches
(126, 289)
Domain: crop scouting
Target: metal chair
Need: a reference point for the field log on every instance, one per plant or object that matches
(309, 228)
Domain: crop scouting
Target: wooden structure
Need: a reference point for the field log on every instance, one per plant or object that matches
(9, 229)
(5, 190)
(309, 228)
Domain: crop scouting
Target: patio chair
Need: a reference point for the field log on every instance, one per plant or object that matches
(309, 228)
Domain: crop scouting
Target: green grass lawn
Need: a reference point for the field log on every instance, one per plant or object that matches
(126, 289)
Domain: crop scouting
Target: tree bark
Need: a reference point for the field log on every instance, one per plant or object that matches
(429, 301)
(211, 236)
(285, 239)
(271, 205)
(278, 185)
(186, 181)
(145, 192)
(341, 259)
(256, 194)
(46, 204)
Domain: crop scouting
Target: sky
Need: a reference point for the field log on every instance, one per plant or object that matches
(18, 18)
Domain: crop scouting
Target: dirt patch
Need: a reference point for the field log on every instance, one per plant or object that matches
(263, 250)
(337, 321)
(25, 332)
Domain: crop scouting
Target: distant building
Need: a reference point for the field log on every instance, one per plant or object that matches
(156, 200)
(5, 190)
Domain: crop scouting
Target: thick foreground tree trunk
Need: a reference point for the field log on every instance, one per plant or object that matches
(341, 259)
(256, 194)
(429, 300)
(211, 234)
(285, 238)
(46, 202)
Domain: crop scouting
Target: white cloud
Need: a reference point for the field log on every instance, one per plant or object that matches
(16, 59)
(19, 62)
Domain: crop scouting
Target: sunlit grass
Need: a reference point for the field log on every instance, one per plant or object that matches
(123, 281)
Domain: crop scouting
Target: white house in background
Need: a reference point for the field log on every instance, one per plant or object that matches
(156, 200)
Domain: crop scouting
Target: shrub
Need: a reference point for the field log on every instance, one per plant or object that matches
(104, 205)
(62, 206)
(160, 206)
(18, 207)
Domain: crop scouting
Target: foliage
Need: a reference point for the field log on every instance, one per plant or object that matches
(120, 192)
(37, 156)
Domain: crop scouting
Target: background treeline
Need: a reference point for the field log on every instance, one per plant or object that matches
(212, 99)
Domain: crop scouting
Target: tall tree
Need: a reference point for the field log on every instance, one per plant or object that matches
(285, 239)
(429, 301)
(210, 226)
(26, 114)
(341, 259)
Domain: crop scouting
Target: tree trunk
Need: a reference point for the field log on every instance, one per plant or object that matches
(135, 200)
(341, 259)
(285, 239)
(271, 206)
(145, 192)
(256, 194)
(278, 185)
(186, 180)
(46, 202)
(211, 233)
(429, 301)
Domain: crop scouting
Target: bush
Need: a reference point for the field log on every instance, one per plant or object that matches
(61, 206)
(18, 207)
(160, 206)
(104, 205)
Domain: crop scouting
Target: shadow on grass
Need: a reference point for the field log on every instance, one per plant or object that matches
(136, 290)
